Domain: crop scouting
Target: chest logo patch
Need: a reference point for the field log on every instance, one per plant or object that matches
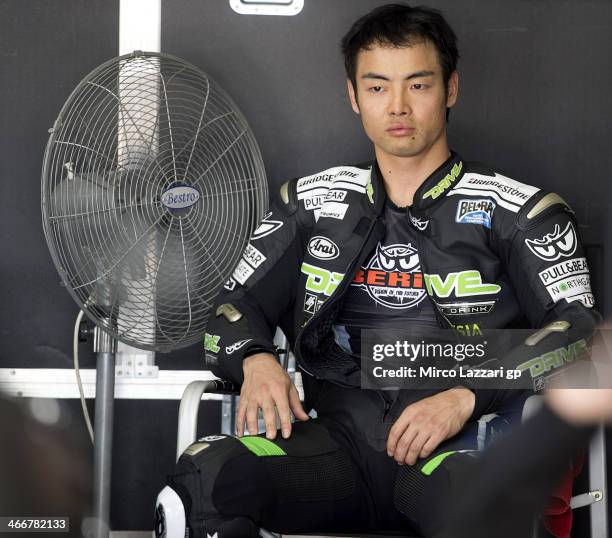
(393, 277)
(419, 224)
(475, 212)
(323, 248)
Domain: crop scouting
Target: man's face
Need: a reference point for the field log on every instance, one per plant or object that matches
(401, 98)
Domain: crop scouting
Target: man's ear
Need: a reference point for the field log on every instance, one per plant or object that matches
(352, 96)
(453, 89)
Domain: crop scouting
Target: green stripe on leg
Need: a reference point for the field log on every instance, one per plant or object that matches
(261, 446)
(433, 464)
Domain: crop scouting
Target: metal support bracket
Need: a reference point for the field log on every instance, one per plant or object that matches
(586, 499)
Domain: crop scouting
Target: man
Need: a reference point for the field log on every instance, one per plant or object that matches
(468, 250)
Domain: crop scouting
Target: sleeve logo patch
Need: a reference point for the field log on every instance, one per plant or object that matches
(253, 256)
(211, 342)
(242, 272)
(251, 260)
(564, 269)
(236, 346)
(554, 359)
(230, 284)
(266, 227)
(576, 288)
(555, 245)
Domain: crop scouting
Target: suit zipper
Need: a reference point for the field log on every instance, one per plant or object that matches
(338, 293)
(439, 315)
(386, 402)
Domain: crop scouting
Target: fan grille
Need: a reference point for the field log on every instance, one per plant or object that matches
(145, 265)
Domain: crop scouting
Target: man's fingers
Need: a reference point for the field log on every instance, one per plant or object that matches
(296, 404)
(241, 416)
(284, 413)
(431, 444)
(412, 455)
(251, 418)
(404, 443)
(396, 432)
(269, 415)
(273, 397)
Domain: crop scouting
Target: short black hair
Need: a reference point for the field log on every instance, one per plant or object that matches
(400, 25)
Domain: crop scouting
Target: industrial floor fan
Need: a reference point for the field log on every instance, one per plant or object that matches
(152, 183)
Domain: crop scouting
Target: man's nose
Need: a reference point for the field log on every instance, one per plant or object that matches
(398, 104)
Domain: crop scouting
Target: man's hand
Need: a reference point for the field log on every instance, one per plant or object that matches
(423, 425)
(267, 386)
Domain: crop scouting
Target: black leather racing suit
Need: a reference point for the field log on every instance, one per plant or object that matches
(519, 246)
(494, 253)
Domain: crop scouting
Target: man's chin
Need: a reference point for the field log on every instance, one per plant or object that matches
(404, 151)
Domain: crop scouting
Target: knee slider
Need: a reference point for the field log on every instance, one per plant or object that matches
(170, 519)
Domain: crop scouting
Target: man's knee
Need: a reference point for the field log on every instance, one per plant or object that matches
(221, 486)
(221, 479)
(423, 492)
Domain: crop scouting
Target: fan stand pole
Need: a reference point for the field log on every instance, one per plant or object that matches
(104, 347)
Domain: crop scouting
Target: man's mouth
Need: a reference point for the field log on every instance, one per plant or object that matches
(401, 130)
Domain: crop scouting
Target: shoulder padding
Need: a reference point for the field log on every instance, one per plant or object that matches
(288, 196)
(539, 208)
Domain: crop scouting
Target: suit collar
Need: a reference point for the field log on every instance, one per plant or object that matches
(438, 184)
(429, 193)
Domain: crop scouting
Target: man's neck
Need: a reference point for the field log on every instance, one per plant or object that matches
(402, 176)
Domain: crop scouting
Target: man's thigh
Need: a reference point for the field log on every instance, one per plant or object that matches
(421, 492)
(403, 497)
(306, 483)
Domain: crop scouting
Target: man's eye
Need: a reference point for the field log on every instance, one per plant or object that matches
(419, 86)
(376, 89)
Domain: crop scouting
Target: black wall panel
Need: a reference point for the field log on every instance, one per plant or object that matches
(46, 47)
(144, 447)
